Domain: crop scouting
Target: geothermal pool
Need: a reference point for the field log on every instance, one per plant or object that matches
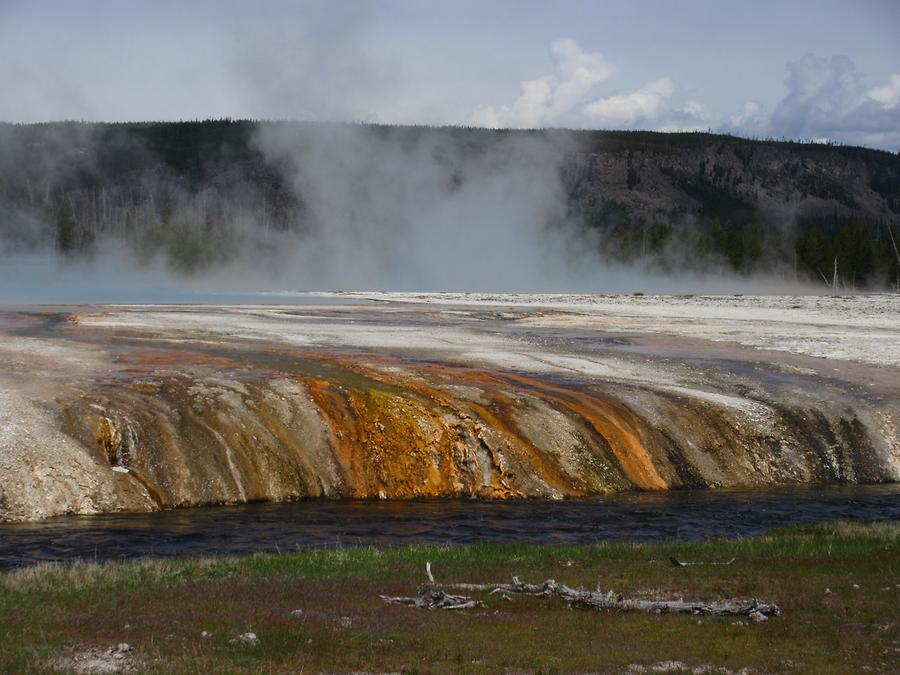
(378, 396)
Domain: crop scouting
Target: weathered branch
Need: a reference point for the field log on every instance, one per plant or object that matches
(429, 597)
(679, 563)
(615, 601)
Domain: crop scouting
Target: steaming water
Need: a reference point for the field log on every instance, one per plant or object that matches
(310, 524)
(27, 281)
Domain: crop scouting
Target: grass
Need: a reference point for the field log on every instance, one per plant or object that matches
(161, 608)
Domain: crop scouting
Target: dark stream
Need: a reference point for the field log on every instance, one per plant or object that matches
(305, 524)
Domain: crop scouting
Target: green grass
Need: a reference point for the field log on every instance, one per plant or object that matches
(161, 607)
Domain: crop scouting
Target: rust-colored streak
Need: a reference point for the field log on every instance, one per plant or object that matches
(406, 442)
(151, 489)
(497, 415)
(614, 422)
(108, 438)
(618, 426)
(334, 406)
(387, 445)
(176, 359)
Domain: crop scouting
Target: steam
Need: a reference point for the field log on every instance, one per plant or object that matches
(455, 209)
(400, 209)
(317, 206)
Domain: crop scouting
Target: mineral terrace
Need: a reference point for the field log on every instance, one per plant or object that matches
(397, 396)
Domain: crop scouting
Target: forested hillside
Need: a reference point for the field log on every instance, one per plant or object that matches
(198, 194)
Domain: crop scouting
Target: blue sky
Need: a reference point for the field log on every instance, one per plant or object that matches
(803, 69)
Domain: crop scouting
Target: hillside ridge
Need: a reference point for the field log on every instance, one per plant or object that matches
(198, 193)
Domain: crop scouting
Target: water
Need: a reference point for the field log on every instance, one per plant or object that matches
(306, 524)
(48, 279)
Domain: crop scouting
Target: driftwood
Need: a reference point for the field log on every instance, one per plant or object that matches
(610, 600)
(431, 597)
(679, 563)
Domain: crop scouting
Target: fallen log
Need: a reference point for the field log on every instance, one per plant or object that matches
(680, 563)
(611, 600)
(431, 597)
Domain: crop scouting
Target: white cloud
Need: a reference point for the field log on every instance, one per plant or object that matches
(827, 99)
(694, 109)
(820, 92)
(888, 95)
(629, 109)
(551, 100)
(569, 98)
(751, 119)
(578, 72)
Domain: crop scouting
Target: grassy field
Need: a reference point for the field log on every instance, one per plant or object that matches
(838, 586)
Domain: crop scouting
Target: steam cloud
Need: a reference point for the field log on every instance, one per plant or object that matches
(426, 212)
(377, 208)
